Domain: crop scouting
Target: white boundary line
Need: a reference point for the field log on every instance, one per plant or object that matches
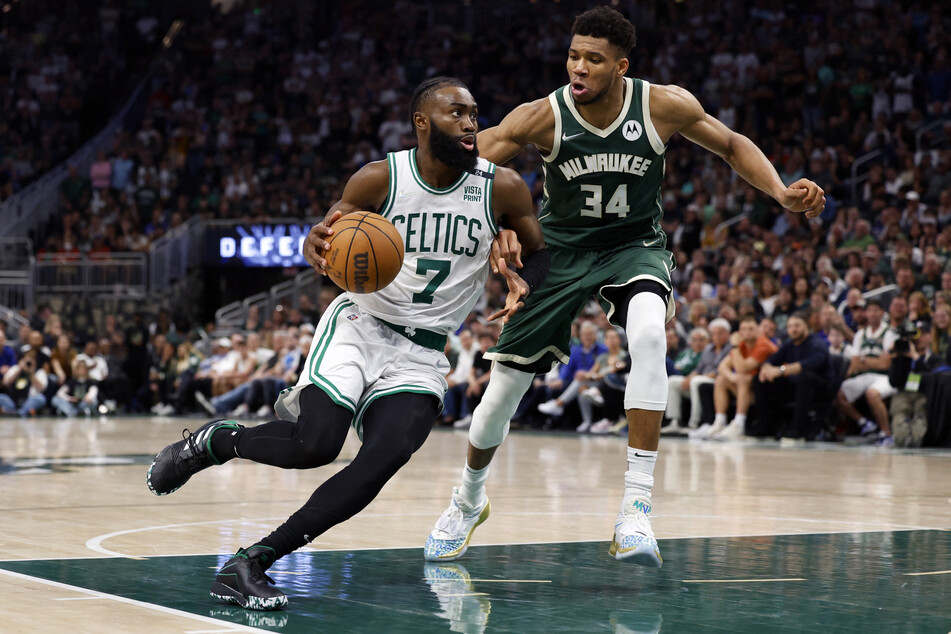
(95, 543)
(232, 627)
(742, 580)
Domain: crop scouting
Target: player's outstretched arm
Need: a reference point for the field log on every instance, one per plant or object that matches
(365, 191)
(677, 110)
(531, 123)
(512, 203)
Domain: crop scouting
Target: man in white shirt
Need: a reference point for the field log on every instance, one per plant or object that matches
(868, 374)
(455, 402)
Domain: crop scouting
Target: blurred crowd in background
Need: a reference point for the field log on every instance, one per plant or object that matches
(266, 111)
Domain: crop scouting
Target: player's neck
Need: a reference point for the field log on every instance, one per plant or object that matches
(434, 172)
(605, 110)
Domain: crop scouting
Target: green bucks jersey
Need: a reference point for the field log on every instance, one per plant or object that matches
(602, 187)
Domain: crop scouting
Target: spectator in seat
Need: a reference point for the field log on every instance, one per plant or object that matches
(79, 394)
(705, 374)
(610, 362)
(455, 401)
(25, 384)
(735, 377)
(798, 374)
(478, 378)
(679, 384)
(913, 358)
(574, 374)
(867, 375)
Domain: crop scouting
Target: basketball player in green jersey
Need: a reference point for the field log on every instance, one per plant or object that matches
(603, 138)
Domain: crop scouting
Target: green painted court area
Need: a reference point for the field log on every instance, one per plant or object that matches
(855, 582)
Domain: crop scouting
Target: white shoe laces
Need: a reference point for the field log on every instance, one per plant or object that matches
(452, 523)
(631, 522)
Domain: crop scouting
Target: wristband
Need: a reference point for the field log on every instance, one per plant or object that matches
(535, 268)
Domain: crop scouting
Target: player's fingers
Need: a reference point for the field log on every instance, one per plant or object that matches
(502, 267)
(814, 194)
(497, 314)
(496, 255)
(514, 310)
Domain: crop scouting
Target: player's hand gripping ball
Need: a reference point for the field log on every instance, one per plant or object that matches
(365, 254)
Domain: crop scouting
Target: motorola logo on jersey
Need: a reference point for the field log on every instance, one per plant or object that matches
(632, 130)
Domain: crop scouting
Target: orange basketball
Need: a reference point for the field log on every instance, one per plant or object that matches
(366, 252)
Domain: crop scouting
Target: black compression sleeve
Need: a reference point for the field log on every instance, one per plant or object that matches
(535, 268)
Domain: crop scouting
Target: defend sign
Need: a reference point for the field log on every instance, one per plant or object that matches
(259, 245)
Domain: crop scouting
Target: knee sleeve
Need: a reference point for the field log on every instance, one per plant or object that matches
(490, 420)
(647, 345)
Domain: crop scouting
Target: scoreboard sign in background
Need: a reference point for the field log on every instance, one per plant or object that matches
(256, 245)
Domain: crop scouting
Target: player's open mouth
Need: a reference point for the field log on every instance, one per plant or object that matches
(467, 142)
(578, 89)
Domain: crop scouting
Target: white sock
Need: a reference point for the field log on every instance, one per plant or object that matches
(472, 489)
(639, 477)
(719, 419)
(862, 420)
(740, 418)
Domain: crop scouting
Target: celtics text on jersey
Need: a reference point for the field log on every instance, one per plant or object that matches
(447, 238)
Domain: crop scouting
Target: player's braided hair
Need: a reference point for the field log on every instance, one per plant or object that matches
(425, 90)
(607, 23)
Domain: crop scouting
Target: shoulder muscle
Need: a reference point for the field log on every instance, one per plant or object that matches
(672, 109)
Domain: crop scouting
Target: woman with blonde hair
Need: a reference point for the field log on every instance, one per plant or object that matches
(918, 307)
(61, 359)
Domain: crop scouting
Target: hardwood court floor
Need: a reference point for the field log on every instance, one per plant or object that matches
(756, 538)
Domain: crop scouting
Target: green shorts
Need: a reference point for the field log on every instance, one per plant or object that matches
(538, 336)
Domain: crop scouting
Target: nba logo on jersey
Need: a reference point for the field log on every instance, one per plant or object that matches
(353, 317)
(632, 130)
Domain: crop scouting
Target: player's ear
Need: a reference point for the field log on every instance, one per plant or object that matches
(622, 65)
(421, 121)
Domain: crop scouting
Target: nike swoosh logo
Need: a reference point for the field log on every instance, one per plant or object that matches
(565, 137)
(640, 456)
(652, 242)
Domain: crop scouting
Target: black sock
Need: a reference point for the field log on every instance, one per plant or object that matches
(223, 442)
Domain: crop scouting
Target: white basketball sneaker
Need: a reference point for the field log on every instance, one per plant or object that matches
(633, 536)
(450, 537)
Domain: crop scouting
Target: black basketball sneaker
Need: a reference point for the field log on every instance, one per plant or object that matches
(242, 580)
(181, 460)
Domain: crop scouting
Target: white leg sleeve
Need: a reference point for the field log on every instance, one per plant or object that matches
(490, 420)
(647, 345)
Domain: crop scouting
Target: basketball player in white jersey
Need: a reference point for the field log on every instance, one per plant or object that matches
(376, 361)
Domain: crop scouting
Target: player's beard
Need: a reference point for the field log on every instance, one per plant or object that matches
(446, 148)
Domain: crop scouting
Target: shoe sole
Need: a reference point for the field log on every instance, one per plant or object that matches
(483, 516)
(229, 595)
(642, 555)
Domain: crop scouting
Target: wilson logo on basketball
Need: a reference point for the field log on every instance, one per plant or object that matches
(361, 267)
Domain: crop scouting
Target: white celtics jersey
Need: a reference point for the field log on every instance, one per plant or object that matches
(447, 238)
